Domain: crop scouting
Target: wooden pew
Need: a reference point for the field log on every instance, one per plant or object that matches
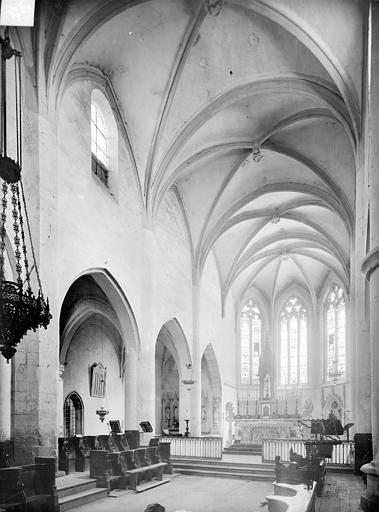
(164, 450)
(29, 488)
(144, 465)
(83, 449)
(6, 454)
(117, 469)
(11, 491)
(106, 468)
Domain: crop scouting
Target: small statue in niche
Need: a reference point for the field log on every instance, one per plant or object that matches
(267, 388)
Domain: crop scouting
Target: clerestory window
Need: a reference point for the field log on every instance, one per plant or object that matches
(99, 144)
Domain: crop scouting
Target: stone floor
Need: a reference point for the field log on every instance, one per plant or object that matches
(341, 493)
(191, 493)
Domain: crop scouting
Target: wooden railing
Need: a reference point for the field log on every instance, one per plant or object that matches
(196, 447)
(343, 454)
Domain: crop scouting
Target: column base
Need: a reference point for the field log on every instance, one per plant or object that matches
(370, 498)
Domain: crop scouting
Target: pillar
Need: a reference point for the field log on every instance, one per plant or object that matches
(60, 401)
(130, 387)
(370, 265)
(195, 420)
(5, 399)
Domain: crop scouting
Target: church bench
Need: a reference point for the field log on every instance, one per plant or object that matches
(144, 464)
(29, 488)
(164, 450)
(293, 473)
(6, 454)
(106, 468)
(116, 469)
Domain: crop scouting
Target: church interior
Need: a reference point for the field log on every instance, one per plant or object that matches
(189, 240)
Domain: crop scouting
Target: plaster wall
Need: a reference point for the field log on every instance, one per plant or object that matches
(90, 345)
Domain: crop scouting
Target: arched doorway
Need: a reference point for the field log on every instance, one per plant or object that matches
(171, 355)
(210, 394)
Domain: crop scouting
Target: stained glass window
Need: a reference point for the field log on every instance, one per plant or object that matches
(336, 334)
(293, 343)
(250, 341)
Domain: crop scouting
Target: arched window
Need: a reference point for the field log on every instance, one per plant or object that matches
(293, 343)
(99, 143)
(250, 341)
(336, 334)
(73, 415)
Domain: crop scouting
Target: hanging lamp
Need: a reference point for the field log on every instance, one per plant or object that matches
(102, 410)
(20, 308)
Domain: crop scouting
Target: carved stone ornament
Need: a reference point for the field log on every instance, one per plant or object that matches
(213, 7)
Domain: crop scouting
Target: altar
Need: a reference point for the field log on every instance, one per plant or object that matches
(254, 430)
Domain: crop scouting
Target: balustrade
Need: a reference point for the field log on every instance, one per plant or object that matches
(343, 454)
(196, 447)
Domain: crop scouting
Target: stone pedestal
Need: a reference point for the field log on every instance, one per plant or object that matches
(370, 498)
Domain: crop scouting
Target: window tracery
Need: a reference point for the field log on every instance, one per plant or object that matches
(250, 341)
(293, 343)
(336, 334)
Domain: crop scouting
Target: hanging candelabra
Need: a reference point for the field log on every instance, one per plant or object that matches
(20, 309)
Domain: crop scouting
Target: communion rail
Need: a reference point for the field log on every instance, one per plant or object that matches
(196, 447)
(343, 454)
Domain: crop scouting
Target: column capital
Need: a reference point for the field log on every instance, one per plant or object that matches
(370, 263)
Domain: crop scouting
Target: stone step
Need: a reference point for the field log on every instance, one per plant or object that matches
(221, 463)
(70, 487)
(144, 486)
(81, 498)
(265, 477)
(226, 468)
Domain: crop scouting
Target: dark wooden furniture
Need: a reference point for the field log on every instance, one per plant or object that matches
(6, 454)
(145, 465)
(107, 469)
(29, 488)
(363, 452)
(74, 452)
(127, 467)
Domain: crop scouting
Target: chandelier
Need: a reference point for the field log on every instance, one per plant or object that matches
(189, 380)
(20, 309)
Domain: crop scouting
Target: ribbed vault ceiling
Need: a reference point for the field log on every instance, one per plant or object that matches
(199, 93)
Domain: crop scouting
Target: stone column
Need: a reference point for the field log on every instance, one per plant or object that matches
(60, 402)
(5, 398)
(195, 420)
(370, 265)
(130, 387)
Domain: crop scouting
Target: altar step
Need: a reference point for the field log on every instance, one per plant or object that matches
(77, 489)
(219, 468)
(244, 448)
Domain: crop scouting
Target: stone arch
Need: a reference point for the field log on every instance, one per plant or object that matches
(211, 393)
(97, 325)
(123, 315)
(171, 357)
